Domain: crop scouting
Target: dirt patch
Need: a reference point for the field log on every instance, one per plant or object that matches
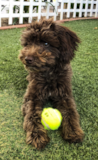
(4, 22)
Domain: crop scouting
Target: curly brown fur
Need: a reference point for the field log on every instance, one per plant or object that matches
(47, 51)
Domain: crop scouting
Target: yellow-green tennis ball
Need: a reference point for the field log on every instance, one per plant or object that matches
(51, 118)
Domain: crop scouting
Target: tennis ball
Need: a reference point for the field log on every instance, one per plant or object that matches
(51, 118)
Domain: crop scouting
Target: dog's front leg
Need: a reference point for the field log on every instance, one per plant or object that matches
(71, 130)
(36, 134)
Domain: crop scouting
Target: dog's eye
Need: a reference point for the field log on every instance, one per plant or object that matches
(46, 44)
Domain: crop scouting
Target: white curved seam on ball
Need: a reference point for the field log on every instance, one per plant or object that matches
(46, 124)
(57, 116)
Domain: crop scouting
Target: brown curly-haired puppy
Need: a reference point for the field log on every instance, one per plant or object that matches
(47, 51)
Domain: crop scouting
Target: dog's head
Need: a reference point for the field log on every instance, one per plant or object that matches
(45, 43)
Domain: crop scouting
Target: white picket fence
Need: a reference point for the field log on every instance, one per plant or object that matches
(63, 8)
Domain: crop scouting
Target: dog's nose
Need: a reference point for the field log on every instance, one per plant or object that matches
(28, 60)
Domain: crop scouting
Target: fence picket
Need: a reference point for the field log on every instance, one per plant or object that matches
(21, 12)
(30, 12)
(96, 12)
(10, 11)
(0, 15)
(39, 10)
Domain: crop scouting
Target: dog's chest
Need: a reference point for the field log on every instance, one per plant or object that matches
(51, 85)
(52, 88)
(50, 94)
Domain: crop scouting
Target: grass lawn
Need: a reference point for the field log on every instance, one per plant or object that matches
(85, 91)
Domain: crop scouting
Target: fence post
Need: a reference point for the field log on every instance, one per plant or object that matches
(0, 15)
(61, 14)
(47, 9)
(21, 12)
(30, 11)
(10, 11)
(80, 12)
(86, 9)
(68, 10)
(96, 14)
(91, 8)
(39, 10)
(55, 12)
(74, 14)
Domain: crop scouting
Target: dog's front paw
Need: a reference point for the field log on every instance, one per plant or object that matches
(74, 136)
(36, 139)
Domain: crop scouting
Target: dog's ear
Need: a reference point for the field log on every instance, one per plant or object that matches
(68, 43)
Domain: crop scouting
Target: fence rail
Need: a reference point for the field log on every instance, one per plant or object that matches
(63, 9)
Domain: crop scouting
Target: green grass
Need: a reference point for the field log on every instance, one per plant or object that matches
(85, 90)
